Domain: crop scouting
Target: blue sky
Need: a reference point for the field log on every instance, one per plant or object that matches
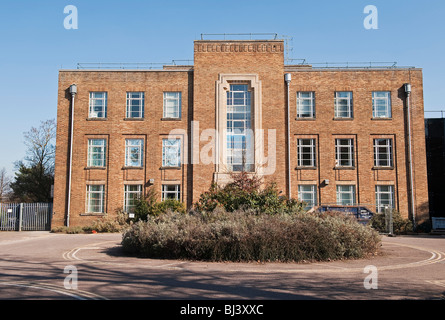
(34, 44)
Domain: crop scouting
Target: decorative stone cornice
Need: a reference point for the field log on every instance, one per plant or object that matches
(240, 46)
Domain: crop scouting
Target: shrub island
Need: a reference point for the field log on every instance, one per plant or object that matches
(239, 222)
(243, 222)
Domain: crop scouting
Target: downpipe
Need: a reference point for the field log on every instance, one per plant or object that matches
(288, 79)
(410, 156)
(73, 92)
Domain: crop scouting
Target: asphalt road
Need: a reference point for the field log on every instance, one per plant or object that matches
(46, 266)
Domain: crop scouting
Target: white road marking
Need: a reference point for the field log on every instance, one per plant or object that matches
(76, 294)
(436, 257)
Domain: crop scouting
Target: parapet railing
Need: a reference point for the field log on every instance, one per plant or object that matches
(346, 65)
(132, 65)
(110, 65)
(289, 63)
(250, 36)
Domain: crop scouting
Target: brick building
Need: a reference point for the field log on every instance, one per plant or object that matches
(178, 129)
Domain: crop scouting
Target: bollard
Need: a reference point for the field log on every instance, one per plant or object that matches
(389, 221)
(20, 217)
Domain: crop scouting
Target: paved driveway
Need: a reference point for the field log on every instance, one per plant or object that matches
(42, 265)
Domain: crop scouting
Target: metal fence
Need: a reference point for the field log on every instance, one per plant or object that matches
(25, 216)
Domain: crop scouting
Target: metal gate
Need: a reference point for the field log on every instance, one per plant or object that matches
(25, 216)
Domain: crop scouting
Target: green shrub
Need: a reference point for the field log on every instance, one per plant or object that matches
(244, 222)
(149, 206)
(400, 225)
(245, 192)
(249, 236)
(170, 205)
(103, 225)
(107, 224)
(68, 230)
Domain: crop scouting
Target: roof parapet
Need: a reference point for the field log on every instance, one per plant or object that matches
(246, 36)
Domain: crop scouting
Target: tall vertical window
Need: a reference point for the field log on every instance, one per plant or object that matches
(95, 198)
(343, 104)
(97, 152)
(131, 194)
(98, 105)
(346, 195)
(344, 152)
(171, 152)
(306, 152)
(384, 196)
(383, 153)
(135, 105)
(308, 195)
(172, 192)
(381, 104)
(172, 105)
(305, 104)
(134, 152)
(240, 152)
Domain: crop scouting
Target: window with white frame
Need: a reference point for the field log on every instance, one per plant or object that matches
(171, 152)
(381, 104)
(172, 105)
(95, 198)
(345, 195)
(240, 146)
(343, 104)
(308, 195)
(344, 152)
(134, 152)
(97, 152)
(305, 104)
(98, 105)
(171, 192)
(383, 153)
(135, 105)
(131, 194)
(384, 197)
(306, 152)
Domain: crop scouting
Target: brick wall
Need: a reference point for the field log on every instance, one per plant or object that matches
(364, 129)
(234, 58)
(115, 129)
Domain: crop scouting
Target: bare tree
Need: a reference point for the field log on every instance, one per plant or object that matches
(34, 179)
(5, 182)
(41, 145)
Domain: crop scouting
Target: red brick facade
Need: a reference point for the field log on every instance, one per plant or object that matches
(260, 64)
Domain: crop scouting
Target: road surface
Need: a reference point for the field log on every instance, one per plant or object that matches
(47, 266)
